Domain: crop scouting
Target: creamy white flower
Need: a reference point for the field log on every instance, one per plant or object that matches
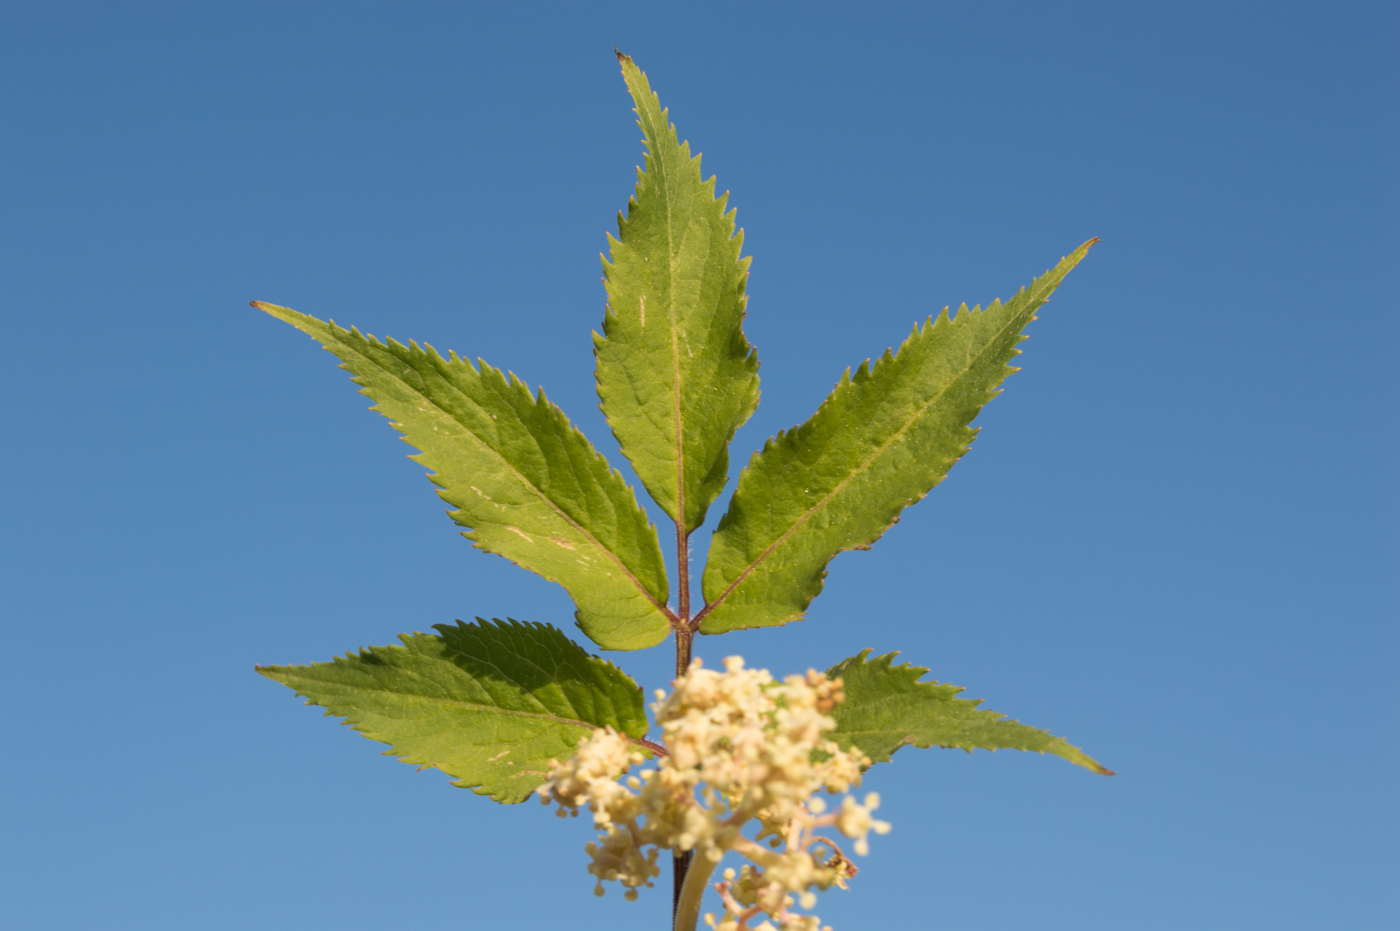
(739, 747)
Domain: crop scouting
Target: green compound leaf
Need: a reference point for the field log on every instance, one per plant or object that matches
(881, 440)
(676, 376)
(490, 704)
(887, 707)
(528, 484)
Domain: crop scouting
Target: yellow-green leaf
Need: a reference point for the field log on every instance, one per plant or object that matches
(881, 440)
(526, 481)
(887, 707)
(490, 704)
(676, 376)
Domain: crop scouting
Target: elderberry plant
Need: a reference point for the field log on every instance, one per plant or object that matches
(509, 708)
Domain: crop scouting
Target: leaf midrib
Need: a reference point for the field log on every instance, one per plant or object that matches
(869, 461)
(474, 706)
(909, 733)
(486, 709)
(656, 143)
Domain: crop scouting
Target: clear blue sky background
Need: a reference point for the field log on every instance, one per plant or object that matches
(1174, 543)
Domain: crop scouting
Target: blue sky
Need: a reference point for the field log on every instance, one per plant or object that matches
(1173, 543)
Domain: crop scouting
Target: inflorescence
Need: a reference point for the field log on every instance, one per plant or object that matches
(740, 748)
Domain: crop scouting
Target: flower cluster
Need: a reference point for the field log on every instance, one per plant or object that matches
(739, 748)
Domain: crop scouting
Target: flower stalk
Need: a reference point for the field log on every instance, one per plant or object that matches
(692, 893)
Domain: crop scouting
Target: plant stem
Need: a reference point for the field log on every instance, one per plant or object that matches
(684, 635)
(682, 593)
(687, 912)
(680, 871)
(680, 860)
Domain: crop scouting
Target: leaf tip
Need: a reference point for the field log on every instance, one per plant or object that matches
(275, 673)
(1094, 766)
(272, 309)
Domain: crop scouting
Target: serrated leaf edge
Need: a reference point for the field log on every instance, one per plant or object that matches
(866, 373)
(887, 659)
(270, 672)
(482, 370)
(647, 121)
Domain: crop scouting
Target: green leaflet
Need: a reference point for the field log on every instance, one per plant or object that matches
(490, 704)
(887, 707)
(528, 484)
(881, 440)
(676, 376)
